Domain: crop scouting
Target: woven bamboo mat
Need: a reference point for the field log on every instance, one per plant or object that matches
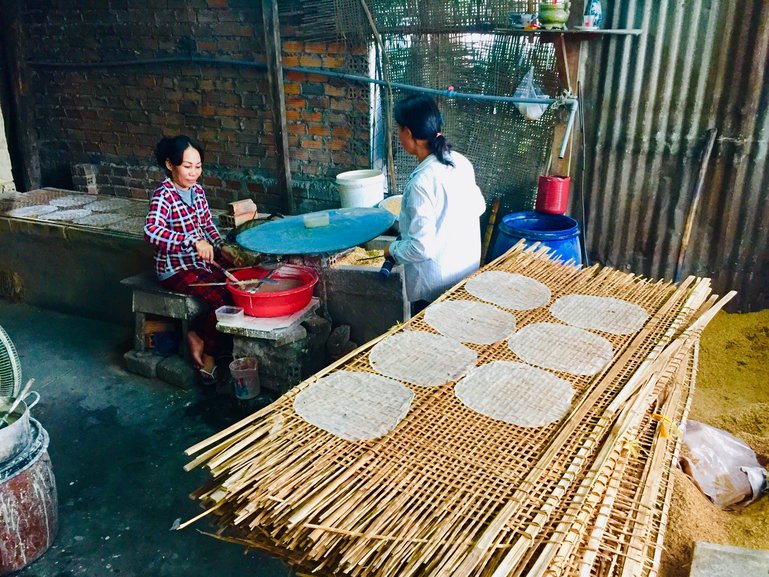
(450, 491)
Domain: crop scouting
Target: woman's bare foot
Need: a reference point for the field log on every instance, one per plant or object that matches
(196, 348)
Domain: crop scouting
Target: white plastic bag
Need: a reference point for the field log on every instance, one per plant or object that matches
(724, 468)
(527, 89)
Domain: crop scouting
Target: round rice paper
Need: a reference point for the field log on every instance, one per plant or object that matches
(561, 348)
(354, 406)
(72, 200)
(509, 290)
(32, 211)
(607, 314)
(515, 393)
(470, 321)
(420, 358)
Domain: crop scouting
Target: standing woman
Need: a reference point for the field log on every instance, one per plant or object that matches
(180, 227)
(439, 220)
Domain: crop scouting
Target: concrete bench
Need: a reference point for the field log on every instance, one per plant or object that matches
(150, 298)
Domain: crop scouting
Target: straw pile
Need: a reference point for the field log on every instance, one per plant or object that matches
(451, 492)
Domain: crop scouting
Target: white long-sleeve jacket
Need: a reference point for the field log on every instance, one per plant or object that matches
(439, 225)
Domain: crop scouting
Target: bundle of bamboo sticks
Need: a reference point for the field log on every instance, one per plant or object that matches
(451, 492)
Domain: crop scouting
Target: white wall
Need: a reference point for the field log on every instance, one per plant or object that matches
(6, 178)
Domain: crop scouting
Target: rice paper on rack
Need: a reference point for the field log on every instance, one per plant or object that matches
(515, 393)
(607, 314)
(354, 406)
(470, 321)
(421, 358)
(561, 348)
(509, 290)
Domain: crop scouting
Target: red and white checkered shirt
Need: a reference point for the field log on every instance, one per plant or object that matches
(173, 227)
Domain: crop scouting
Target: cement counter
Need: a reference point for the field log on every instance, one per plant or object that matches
(71, 269)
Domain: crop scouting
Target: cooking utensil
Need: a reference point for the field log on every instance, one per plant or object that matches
(24, 391)
(241, 282)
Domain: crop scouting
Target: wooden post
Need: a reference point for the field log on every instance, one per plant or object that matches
(272, 46)
(567, 54)
(20, 117)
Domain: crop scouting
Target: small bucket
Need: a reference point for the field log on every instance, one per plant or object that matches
(553, 194)
(364, 188)
(245, 374)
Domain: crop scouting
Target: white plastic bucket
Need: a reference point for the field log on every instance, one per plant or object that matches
(360, 188)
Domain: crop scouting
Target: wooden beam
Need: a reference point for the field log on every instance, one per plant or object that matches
(272, 46)
(567, 53)
(20, 118)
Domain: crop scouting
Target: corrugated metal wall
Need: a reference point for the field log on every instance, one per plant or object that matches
(649, 101)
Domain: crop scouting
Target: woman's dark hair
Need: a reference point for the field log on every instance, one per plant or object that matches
(419, 113)
(172, 148)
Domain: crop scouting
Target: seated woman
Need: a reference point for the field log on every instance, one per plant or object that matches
(440, 240)
(180, 227)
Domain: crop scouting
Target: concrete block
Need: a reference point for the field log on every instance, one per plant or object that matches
(142, 363)
(360, 297)
(711, 560)
(176, 371)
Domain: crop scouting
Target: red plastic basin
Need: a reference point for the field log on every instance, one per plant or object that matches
(291, 293)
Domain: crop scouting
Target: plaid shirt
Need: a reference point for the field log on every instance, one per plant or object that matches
(173, 228)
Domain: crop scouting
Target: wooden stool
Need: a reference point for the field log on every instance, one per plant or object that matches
(149, 297)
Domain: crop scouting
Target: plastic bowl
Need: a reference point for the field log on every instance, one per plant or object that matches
(393, 205)
(229, 314)
(292, 291)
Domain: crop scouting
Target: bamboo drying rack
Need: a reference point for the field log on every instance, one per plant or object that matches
(451, 492)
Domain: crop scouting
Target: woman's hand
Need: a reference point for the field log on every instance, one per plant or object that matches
(205, 250)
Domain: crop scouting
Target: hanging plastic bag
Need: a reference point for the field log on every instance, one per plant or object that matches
(527, 89)
(722, 466)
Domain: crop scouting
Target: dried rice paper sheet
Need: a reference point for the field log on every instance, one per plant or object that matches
(509, 290)
(561, 348)
(32, 211)
(515, 393)
(71, 200)
(354, 406)
(470, 321)
(109, 204)
(99, 219)
(607, 314)
(420, 358)
(72, 214)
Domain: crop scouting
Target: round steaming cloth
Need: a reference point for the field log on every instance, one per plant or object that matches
(515, 393)
(347, 227)
(354, 406)
(606, 314)
(72, 200)
(32, 211)
(420, 358)
(71, 214)
(561, 348)
(470, 321)
(509, 290)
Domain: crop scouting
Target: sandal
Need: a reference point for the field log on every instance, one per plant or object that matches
(209, 378)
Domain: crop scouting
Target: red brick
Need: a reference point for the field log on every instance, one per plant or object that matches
(296, 129)
(317, 130)
(311, 61)
(315, 47)
(295, 76)
(307, 143)
(294, 102)
(291, 46)
(332, 62)
(335, 90)
(292, 88)
(342, 131)
(312, 116)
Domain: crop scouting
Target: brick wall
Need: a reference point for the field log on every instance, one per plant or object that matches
(109, 118)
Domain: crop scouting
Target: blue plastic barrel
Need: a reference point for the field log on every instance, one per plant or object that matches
(556, 231)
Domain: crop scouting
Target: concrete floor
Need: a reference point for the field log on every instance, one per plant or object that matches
(116, 444)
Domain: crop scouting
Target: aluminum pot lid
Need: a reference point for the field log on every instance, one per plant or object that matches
(347, 227)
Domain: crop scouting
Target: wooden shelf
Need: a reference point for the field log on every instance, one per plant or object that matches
(571, 32)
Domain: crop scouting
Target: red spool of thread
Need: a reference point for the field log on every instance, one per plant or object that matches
(552, 194)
